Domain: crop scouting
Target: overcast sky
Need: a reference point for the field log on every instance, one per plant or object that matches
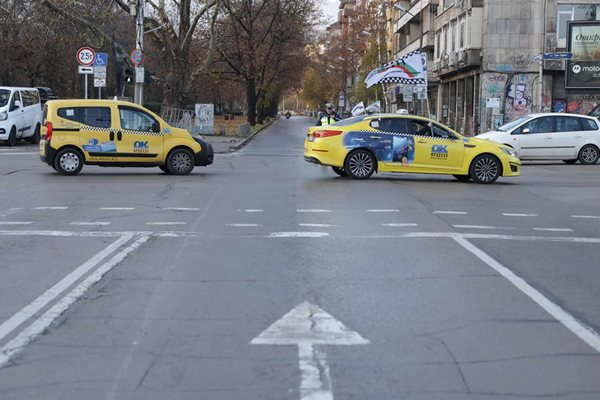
(331, 7)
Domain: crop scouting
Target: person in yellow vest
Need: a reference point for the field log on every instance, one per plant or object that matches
(328, 117)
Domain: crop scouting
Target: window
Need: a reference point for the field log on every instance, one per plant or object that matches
(136, 120)
(538, 125)
(567, 124)
(573, 12)
(16, 97)
(441, 132)
(92, 116)
(418, 127)
(4, 97)
(395, 125)
(588, 124)
(29, 98)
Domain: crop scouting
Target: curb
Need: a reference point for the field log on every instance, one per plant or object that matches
(241, 144)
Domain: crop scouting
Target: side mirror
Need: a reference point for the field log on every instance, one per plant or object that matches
(16, 105)
(156, 127)
(526, 130)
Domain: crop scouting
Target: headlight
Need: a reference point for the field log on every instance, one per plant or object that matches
(509, 151)
(3, 115)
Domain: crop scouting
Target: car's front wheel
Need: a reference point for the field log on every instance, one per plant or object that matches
(589, 154)
(485, 169)
(12, 137)
(180, 162)
(360, 164)
(340, 171)
(68, 161)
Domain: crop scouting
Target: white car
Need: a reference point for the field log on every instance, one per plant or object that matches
(567, 137)
(20, 114)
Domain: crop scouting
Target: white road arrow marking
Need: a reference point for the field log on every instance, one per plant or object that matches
(305, 326)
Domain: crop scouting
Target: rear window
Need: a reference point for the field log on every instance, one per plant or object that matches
(588, 124)
(92, 116)
(30, 97)
(567, 124)
(349, 121)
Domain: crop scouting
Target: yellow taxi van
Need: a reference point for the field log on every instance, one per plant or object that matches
(113, 133)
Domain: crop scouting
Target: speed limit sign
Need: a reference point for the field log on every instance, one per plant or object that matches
(86, 56)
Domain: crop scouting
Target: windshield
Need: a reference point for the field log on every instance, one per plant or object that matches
(4, 97)
(513, 124)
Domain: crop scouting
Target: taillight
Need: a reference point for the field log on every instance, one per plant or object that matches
(326, 133)
(48, 125)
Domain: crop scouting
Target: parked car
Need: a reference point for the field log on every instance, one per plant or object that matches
(560, 136)
(112, 133)
(20, 114)
(46, 94)
(360, 146)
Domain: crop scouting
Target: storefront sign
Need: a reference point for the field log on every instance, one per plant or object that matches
(583, 71)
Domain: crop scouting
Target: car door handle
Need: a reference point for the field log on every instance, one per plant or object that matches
(548, 137)
(119, 135)
(375, 137)
(421, 141)
(578, 137)
(112, 136)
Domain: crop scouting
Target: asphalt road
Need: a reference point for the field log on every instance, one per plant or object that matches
(265, 277)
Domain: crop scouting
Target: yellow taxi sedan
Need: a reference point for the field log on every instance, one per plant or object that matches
(360, 146)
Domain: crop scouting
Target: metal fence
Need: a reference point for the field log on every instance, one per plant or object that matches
(178, 118)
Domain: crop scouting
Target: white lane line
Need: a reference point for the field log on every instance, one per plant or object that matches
(584, 332)
(400, 224)
(553, 229)
(317, 225)
(474, 227)
(297, 234)
(90, 223)
(18, 154)
(519, 215)
(312, 211)
(8, 212)
(254, 211)
(244, 225)
(451, 212)
(117, 208)
(51, 208)
(15, 223)
(384, 211)
(586, 216)
(166, 223)
(42, 323)
(181, 209)
(42, 301)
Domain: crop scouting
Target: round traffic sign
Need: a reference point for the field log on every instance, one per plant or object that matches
(137, 57)
(86, 56)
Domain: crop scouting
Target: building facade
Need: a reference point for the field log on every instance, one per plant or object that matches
(484, 58)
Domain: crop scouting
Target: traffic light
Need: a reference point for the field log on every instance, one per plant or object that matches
(127, 73)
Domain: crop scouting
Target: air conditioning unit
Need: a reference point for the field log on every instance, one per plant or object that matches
(452, 59)
(462, 57)
(437, 65)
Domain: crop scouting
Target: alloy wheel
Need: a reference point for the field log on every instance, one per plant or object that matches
(360, 165)
(486, 169)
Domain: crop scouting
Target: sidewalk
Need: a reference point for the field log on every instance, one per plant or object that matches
(226, 144)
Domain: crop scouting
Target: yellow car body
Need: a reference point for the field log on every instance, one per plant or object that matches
(114, 133)
(359, 146)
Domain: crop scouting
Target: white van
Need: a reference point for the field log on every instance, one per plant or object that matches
(20, 114)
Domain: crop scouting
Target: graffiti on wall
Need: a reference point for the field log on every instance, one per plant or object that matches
(519, 95)
(493, 85)
(582, 103)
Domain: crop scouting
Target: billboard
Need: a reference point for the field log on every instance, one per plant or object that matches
(583, 40)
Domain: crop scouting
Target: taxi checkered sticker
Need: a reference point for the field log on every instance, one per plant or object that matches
(404, 134)
(127, 131)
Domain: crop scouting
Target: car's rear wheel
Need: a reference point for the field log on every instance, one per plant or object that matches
(462, 178)
(588, 155)
(35, 139)
(360, 164)
(12, 137)
(340, 171)
(570, 161)
(68, 161)
(485, 169)
(180, 162)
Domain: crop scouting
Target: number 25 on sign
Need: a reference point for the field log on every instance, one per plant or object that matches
(86, 56)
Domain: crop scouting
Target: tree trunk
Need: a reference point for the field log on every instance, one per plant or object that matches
(251, 100)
